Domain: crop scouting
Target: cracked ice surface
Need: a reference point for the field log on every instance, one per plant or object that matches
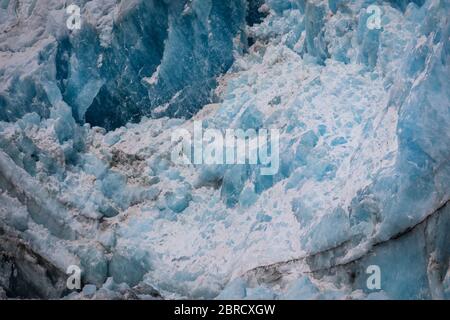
(364, 161)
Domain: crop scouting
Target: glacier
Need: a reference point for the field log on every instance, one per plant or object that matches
(86, 176)
(127, 59)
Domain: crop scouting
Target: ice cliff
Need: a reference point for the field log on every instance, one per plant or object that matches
(127, 59)
(86, 176)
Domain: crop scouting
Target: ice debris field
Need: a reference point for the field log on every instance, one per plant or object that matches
(86, 176)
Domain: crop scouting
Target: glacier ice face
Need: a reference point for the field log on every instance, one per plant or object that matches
(364, 149)
(127, 60)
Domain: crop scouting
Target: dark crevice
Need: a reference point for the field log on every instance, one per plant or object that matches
(26, 274)
(136, 49)
(254, 15)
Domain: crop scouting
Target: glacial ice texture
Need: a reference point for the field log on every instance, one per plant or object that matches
(86, 176)
(127, 59)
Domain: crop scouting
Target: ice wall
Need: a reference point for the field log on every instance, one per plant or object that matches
(364, 168)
